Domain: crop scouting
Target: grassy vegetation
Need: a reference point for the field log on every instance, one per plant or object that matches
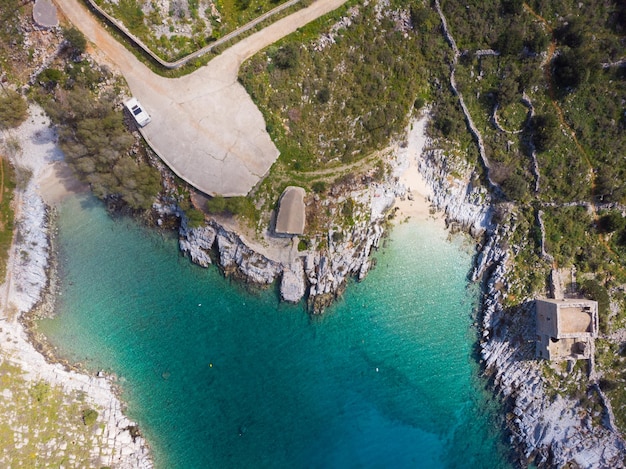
(188, 25)
(40, 425)
(13, 109)
(331, 107)
(343, 103)
(7, 185)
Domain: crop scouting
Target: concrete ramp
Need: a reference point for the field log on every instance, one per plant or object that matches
(204, 126)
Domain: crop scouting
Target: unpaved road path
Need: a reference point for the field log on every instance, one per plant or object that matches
(204, 125)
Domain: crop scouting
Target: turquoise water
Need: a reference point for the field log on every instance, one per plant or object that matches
(219, 377)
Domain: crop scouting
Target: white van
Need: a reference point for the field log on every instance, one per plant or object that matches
(141, 116)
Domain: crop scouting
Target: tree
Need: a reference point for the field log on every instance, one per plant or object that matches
(76, 40)
(287, 56)
(195, 218)
(515, 187)
(512, 7)
(611, 221)
(216, 204)
(508, 93)
(511, 41)
(545, 128)
(571, 33)
(13, 109)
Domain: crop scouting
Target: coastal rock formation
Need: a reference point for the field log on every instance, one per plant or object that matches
(26, 281)
(551, 430)
(325, 273)
(467, 206)
(554, 431)
(292, 285)
(197, 243)
(238, 259)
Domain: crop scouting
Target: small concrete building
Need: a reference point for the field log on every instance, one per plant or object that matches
(291, 212)
(566, 328)
(45, 14)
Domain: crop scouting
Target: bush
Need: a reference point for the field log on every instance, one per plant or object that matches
(515, 187)
(323, 96)
(76, 40)
(89, 417)
(511, 41)
(234, 205)
(287, 56)
(319, 187)
(607, 385)
(13, 110)
(50, 77)
(195, 218)
(545, 128)
(611, 222)
(40, 391)
(242, 4)
(216, 204)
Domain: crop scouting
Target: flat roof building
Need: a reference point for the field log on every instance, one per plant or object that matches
(291, 212)
(566, 328)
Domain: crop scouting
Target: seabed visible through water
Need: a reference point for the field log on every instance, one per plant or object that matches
(217, 376)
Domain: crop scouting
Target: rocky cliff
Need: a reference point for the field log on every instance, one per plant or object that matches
(318, 275)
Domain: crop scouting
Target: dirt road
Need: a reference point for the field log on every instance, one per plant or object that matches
(204, 125)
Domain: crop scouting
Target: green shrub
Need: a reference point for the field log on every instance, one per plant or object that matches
(13, 109)
(40, 391)
(89, 417)
(50, 78)
(287, 56)
(76, 40)
(319, 187)
(195, 218)
(611, 222)
(545, 128)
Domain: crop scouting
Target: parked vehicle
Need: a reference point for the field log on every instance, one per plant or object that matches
(138, 112)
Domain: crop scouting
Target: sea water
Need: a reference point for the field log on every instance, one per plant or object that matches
(221, 377)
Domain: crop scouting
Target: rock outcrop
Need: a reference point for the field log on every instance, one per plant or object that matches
(292, 285)
(466, 205)
(551, 429)
(318, 275)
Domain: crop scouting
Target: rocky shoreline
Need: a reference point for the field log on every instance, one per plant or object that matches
(550, 430)
(545, 428)
(118, 443)
(318, 277)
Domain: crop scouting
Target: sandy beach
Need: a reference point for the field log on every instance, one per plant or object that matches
(415, 204)
(27, 277)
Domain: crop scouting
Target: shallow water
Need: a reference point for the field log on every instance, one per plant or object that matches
(220, 377)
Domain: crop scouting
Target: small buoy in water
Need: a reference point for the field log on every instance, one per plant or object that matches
(376, 369)
(199, 304)
(210, 365)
